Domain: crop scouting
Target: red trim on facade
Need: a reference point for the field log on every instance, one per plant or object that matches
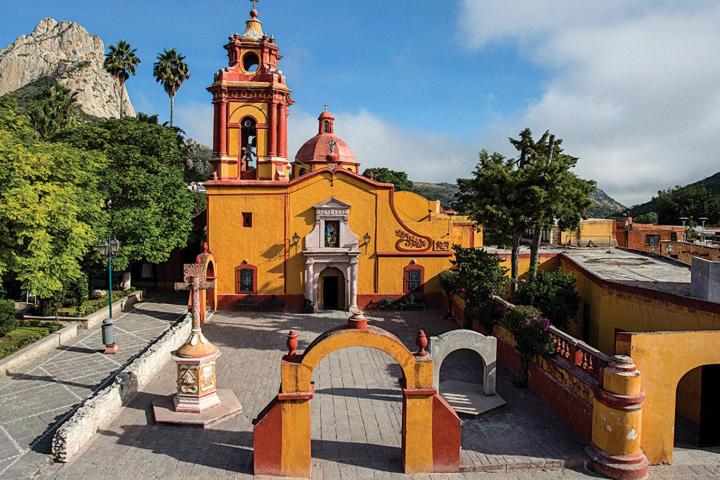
(237, 279)
(415, 254)
(414, 266)
(446, 428)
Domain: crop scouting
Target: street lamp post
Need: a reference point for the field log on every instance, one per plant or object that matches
(109, 248)
(703, 220)
(684, 221)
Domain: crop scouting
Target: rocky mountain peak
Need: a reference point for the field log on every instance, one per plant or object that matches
(63, 52)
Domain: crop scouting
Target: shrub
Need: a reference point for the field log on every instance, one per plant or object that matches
(553, 293)
(79, 291)
(7, 316)
(479, 277)
(532, 337)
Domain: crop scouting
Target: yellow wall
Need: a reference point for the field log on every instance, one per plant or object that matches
(282, 210)
(599, 231)
(663, 358)
(612, 309)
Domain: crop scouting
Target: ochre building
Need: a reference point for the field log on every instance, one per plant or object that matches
(311, 229)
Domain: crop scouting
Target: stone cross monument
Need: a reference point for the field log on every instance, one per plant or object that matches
(197, 401)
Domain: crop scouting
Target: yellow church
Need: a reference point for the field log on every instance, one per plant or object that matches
(311, 232)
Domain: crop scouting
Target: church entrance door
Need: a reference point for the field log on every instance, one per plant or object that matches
(333, 289)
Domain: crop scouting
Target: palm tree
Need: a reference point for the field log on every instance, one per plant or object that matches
(171, 71)
(120, 62)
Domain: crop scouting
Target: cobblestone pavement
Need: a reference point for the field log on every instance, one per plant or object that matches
(46, 391)
(355, 414)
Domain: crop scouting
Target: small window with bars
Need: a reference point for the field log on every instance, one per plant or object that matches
(246, 280)
(413, 280)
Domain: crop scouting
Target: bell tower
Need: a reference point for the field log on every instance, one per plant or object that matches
(251, 102)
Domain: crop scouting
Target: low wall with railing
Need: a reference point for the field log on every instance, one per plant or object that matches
(565, 382)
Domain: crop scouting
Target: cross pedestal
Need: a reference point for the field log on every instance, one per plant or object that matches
(197, 401)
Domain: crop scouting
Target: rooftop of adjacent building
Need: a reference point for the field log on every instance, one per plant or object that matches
(634, 269)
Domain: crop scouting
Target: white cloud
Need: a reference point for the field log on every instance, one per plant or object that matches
(378, 143)
(633, 88)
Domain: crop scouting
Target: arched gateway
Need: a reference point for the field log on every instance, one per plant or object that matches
(430, 427)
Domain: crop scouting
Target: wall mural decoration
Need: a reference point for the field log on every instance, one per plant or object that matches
(408, 242)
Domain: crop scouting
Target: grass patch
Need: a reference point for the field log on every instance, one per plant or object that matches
(93, 305)
(25, 334)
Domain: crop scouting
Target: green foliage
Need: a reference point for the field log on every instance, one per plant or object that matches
(7, 316)
(449, 281)
(385, 175)
(553, 293)
(55, 108)
(532, 337)
(479, 276)
(170, 70)
(145, 181)
(121, 62)
(700, 199)
(79, 290)
(650, 217)
(25, 334)
(50, 206)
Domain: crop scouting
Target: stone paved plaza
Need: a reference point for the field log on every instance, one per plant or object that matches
(46, 390)
(355, 414)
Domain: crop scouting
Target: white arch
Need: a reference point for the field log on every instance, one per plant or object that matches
(443, 345)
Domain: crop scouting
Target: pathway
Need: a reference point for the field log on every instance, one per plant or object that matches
(45, 392)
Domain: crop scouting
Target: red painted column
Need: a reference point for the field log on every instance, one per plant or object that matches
(282, 131)
(223, 127)
(272, 131)
(216, 127)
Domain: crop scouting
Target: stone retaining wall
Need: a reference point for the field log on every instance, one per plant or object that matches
(30, 352)
(100, 410)
(95, 319)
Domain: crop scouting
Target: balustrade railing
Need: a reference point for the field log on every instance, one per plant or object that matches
(576, 352)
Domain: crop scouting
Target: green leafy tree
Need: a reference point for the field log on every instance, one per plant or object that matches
(552, 190)
(50, 207)
(152, 208)
(121, 62)
(650, 217)
(7, 316)
(54, 109)
(553, 293)
(170, 70)
(495, 198)
(385, 175)
(479, 276)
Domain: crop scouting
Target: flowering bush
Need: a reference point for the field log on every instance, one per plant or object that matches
(532, 337)
(553, 293)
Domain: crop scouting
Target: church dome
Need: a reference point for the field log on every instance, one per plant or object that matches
(326, 146)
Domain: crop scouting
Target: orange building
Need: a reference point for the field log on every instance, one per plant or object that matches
(645, 237)
(313, 230)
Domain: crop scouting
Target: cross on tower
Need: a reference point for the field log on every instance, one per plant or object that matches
(326, 106)
(254, 2)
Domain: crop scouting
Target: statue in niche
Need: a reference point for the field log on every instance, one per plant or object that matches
(332, 234)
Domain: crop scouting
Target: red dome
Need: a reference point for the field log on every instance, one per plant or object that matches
(325, 146)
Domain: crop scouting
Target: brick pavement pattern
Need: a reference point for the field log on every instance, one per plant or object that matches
(43, 393)
(355, 414)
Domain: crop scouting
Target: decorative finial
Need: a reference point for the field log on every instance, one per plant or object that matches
(292, 345)
(421, 341)
(205, 247)
(325, 107)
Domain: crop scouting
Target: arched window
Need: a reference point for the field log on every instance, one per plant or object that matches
(246, 279)
(326, 126)
(248, 142)
(413, 278)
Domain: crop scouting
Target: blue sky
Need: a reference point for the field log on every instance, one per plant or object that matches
(423, 85)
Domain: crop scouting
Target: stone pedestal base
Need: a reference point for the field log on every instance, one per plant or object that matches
(111, 349)
(165, 413)
(196, 377)
(196, 404)
(618, 467)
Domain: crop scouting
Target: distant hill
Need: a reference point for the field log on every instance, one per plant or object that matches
(701, 198)
(603, 205)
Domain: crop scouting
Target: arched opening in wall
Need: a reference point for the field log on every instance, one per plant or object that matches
(332, 289)
(248, 144)
(251, 62)
(697, 411)
(461, 383)
(356, 414)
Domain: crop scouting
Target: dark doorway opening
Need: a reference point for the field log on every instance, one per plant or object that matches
(330, 293)
(709, 434)
(697, 422)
